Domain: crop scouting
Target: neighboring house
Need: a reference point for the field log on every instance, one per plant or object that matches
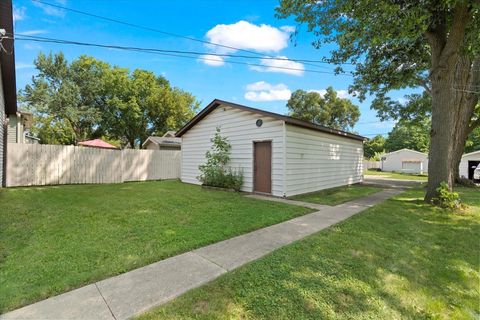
(468, 164)
(405, 160)
(8, 90)
(278, 155)
(18, 125)
(97, 143)
(166, 142)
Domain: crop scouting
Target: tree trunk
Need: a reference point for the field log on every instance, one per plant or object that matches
(466, 81)
(440, 156)
(450, 113)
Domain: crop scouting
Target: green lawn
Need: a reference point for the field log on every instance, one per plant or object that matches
(338, 195)
(397, 175)
(401, 259)
(53, 239)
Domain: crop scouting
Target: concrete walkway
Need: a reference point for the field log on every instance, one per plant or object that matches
(137, 291)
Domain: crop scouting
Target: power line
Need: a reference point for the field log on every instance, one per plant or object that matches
(173, 53)
(305, 61)
(167, 51)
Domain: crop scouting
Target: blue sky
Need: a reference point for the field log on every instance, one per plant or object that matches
(245, 24)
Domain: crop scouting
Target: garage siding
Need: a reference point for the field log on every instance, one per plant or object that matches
(317, 160)
(240, 128)
(2, 129)
(463, 169)
(398, 161)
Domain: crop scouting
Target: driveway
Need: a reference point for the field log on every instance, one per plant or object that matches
(386, 182)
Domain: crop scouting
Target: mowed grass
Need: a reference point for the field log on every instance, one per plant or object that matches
(401, 259)
(338, 195)
(53, 239)
(397, 175)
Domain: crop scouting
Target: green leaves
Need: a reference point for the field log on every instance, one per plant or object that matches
(373, 147)
(89, 98)
(215, 172)
(415, 136)
(329, 110)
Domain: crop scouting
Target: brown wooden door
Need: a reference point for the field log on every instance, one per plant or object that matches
(262, 166)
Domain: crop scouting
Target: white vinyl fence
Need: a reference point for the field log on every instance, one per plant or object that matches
(37, 164)
(371, 164)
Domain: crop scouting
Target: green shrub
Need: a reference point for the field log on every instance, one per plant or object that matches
(446, 198)
(214, 172)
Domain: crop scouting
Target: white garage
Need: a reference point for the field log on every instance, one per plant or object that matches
(405, 160)
(278, 155)
(468, 163)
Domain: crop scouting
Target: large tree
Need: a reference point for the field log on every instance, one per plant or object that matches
(88, 98)
(65, 96)
(373, 147)
(409, 135)
(327, 109)
(429, 44)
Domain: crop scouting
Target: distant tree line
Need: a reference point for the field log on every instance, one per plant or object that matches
(328, 109)
(411, 134)
(88, 98)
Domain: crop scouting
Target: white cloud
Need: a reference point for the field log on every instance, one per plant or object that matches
(212, 60)
(246, 35)
(32, 32)
(340, 93)
(52, 11)
(19, 13)
(263, 85)
(20, 65)
(32, 46)
(289, 29)
(402, 100)
(281, 65)
(264, 91)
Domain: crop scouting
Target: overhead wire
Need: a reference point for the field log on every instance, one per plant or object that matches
(173, 53)
(134, 25)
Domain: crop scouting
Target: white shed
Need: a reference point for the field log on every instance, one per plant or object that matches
(405, 160)
(468, 163)
(278, 155)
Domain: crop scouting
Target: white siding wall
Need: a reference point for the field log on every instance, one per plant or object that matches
(16, 130)
(463, 169)
(317, 160)
(2, 129)
(151, 146)
(12, 131)
(393, 161)
(239, 126)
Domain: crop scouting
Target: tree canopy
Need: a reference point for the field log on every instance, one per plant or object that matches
(409, 135)
(373, 147)
(328, 110)
(429, 45)
(89, 98)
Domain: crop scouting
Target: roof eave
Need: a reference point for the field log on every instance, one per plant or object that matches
(7, 59)
(289, 120)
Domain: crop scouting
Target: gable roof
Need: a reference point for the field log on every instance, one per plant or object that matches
(169, 134)
(163, 141)
(405, 149)
(97, 143)
(7, 58)
(471, 153)
(289, 120)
